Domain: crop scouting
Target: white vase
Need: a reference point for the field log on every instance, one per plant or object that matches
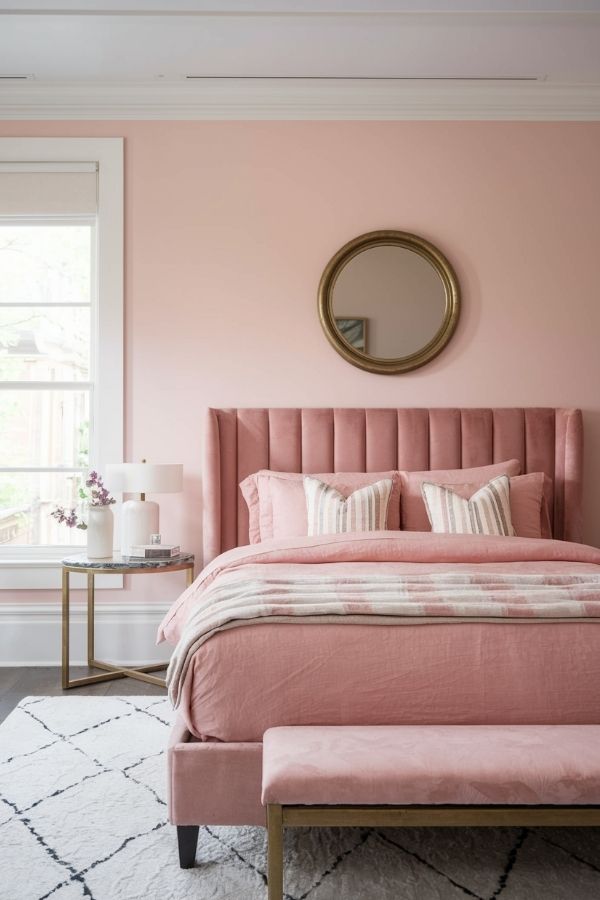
(100, 532)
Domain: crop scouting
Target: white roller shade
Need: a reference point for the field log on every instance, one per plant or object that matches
(39, 189)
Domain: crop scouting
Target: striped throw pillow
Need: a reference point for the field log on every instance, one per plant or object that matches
(487, 511)
(329, 512)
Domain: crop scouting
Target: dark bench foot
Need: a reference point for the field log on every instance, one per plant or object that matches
(187, 839)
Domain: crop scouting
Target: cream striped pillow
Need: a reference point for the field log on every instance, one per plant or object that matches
(487, 511)
(329, 512)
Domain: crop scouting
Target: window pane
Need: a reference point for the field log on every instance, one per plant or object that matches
(26, 501)
(44, 344)
(45, 263)
(44, 428)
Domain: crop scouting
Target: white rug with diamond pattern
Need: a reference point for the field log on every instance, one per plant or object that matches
(83, 814)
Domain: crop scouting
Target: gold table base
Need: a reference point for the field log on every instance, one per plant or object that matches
(140, 673)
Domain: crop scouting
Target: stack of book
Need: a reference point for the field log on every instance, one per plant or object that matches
(153, 551)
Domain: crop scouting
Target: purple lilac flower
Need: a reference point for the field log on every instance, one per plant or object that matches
(68, 518)
(98, 496)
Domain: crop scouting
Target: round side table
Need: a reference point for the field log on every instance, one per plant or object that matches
(116, 565)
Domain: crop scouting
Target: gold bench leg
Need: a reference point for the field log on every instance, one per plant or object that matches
(275, 851)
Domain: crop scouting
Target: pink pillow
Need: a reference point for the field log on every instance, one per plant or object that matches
(277, 502)
(528, 503)
(530, 496)
(414, 514)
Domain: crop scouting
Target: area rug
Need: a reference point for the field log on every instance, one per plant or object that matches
(83, 815)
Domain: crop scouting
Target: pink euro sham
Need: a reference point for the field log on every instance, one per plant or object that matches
(414, 515)
(529, 505)
(277, 503)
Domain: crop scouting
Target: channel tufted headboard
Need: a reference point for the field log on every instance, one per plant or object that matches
(241, 441)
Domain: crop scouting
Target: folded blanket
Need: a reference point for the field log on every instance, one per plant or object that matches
(382, 578)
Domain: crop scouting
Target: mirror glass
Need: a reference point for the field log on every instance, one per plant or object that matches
(388, 301)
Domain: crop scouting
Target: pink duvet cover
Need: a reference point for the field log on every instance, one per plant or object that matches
(483, 668)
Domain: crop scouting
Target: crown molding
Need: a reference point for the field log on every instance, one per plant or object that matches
(297, 8)
(279, 99)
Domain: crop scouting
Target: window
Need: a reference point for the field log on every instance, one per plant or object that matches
(60, 339)
(46, 372)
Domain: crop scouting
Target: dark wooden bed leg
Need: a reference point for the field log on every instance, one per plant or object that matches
(187, 839)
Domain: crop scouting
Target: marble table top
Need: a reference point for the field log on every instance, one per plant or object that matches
(117, 561)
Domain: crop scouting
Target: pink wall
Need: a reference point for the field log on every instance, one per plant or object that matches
(229, 225)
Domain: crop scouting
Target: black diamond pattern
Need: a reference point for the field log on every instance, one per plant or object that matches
(134, 710)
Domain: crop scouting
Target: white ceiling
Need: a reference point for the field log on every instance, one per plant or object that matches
(110, 45)
(144, 39)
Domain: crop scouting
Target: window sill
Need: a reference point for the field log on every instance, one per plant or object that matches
(39, 574)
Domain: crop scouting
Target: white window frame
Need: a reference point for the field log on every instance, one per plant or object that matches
(38, 567)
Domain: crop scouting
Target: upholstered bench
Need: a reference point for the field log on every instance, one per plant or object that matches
(427, 775)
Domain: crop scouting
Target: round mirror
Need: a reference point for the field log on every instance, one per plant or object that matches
(389, 301)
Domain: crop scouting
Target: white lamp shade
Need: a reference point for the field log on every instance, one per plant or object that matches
(145, 478)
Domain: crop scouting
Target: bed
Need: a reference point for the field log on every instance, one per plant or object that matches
(441, 668)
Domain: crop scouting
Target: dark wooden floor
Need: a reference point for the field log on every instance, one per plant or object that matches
(16, 683)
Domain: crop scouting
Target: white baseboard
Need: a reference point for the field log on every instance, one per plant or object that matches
(30, 634)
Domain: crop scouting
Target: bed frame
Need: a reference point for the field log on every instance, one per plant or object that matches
(220, 783)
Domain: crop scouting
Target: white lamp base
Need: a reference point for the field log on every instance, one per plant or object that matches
(139, 519)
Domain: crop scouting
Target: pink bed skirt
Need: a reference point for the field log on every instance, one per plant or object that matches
(249, 679)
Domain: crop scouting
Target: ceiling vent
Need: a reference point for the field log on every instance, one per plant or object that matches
(412, 78)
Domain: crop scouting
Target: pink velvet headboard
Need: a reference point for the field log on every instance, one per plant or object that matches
(242, 441)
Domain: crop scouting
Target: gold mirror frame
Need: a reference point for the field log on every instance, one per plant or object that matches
(408, 242)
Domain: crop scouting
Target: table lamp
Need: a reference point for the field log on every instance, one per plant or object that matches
(140, 518)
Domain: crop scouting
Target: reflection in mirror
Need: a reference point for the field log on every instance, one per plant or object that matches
(354, 332)
(388, 301)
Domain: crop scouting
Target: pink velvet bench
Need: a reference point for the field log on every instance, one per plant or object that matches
(409, 775)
